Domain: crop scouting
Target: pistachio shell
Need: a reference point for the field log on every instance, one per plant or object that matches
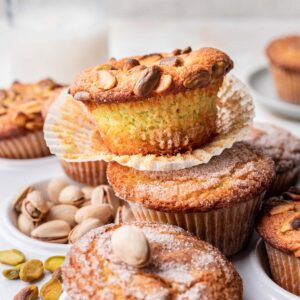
(19, 198)
(83, 228)
(71, 194)
(131, 246)
(56, 231)
(11, 257)
(64, 212)
(53, 263)
(25, 224)
(54, 187)
(31, 270)
(51, 290)
(104, 194)
(87, 192)
(30, 292)
(102, 212)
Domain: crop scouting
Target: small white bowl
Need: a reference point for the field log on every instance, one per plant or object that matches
(8, 218)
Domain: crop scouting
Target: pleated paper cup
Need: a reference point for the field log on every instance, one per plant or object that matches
(228, 229)
(29, 145)
(90, 172)
(285, 269)
(72, 136)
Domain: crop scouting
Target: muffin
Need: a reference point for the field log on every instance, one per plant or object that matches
(284, 57)
(21, 120)
(179, 267)
(162, 103)
(279, 225)
(284, 149)
(216, 201)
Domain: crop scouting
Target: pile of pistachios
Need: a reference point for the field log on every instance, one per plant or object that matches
(66, 212)
(32, 271)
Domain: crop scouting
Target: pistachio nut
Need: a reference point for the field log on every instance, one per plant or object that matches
(131, 246)
(53, 263)
(87, 192)
(30, 292)
(51, 290)
(19, 198)
(12, 257)
(56, 231)
(124, 214)
(104, 194)
(81, 229)
(57, 274)
(71, 194)
(64, 212)
(25, 224)
(103, 212)
(35, 206)
(54, 187)
(13, 273)
(31, 270)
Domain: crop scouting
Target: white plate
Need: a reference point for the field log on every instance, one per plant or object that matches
(264, 92)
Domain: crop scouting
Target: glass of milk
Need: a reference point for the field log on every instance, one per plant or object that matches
(56, 38)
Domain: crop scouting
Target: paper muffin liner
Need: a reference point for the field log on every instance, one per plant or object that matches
(72, 136)
(285, 269)
(30, 145)
(229, 229)
(287, 84)
(283, 181)
(90, 172)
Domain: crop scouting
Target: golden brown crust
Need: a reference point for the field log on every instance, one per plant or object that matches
(140, 77)
(279, 222)
(181, 267)
(238, 174)
(285, 53)
(21, 107)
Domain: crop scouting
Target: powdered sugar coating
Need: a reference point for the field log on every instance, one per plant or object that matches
(181, 267)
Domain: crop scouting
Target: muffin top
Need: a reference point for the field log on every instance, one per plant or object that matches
(21, 106)
(141, 77)
(180, 267)
(279, 144)
(279, 222)
(236, 175)
(285, 52)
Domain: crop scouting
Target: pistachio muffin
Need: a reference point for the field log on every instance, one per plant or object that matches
(162, 103)
(284, 149)
(284, 57)
(216, 201)
(21, 120)
(147, 261)
(279, 227)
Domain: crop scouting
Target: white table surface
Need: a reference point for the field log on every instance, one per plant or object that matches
(244, 40)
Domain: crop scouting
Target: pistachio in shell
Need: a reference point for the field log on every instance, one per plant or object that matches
(51, 290)
(13, 273)
(104, 213)
(31, 270)
(25, 224)
(71, 194)
(20, 196)
(104, 194)
(54, 187)
(56, 231)
(87, 192)
(124, 214)
(30, 292)
(12, 257)
(53, 263)
(65, 212)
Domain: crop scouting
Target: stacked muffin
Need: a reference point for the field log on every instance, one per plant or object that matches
(166, 105)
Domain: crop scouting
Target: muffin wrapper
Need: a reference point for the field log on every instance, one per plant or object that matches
(287, 84)
(285, 269)
(30, 145)
(283, 181)
(69, 132)
(228, 229)
(90, 172)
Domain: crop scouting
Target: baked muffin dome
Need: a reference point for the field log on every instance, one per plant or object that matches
(181, 267)
(162, 103)
(237, 175)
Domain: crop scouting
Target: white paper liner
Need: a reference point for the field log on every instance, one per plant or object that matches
(69, 132)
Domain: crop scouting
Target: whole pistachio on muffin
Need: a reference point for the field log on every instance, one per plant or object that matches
(161, 103)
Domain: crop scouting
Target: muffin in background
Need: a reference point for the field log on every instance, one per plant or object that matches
(279, 227)
(216, 201)
(284, 57)
(284, 148)
(21, 119)
(172, 265)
